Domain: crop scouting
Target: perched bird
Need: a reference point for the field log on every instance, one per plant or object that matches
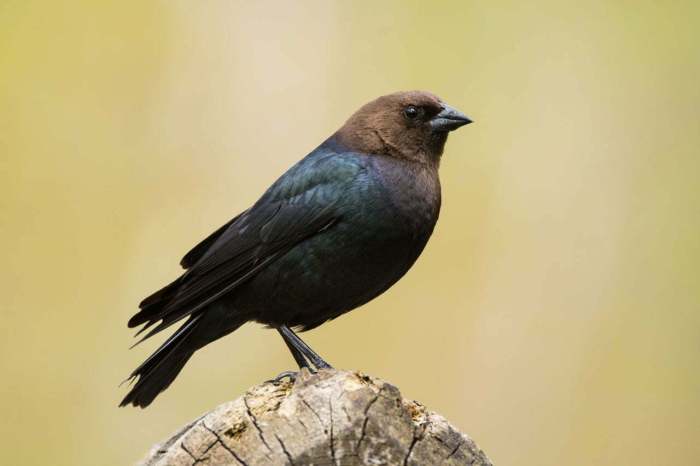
(335, 231)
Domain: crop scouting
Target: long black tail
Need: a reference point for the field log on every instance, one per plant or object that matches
(160, 369)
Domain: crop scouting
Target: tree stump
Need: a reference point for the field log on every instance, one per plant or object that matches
(331, 417)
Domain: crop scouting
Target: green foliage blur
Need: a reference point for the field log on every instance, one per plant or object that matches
(555, 314)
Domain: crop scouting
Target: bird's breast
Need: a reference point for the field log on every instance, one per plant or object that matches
(393, 215)
(411, 195)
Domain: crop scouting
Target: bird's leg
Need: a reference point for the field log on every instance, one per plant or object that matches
(300, 349)
(298, 356)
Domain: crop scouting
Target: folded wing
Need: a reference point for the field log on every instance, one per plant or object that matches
(301, 204)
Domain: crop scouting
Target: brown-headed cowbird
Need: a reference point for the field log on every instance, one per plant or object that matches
(335, 231)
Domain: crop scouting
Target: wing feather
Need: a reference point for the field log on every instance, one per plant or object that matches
(198, 251)
(301, 204)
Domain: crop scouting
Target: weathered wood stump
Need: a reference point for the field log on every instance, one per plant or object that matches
(328, 418)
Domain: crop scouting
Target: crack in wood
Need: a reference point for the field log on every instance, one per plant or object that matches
(196, 460)
(454, 450)
(332, 444)
(410, 450)
(306, 429)
(417, 437)
(363, 432)
(223, 444)
(255, 423)
(320, 421)
(284, 450)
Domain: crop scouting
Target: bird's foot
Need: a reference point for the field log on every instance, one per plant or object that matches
(291, 375)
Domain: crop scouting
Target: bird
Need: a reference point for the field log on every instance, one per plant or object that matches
(335, 231)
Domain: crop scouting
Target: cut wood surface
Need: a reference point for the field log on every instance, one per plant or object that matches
(330, 417)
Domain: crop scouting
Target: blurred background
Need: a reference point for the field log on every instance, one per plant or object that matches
(555, 314)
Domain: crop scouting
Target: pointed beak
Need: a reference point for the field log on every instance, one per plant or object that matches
(449, 119)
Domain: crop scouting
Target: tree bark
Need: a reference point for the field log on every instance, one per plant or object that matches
(331, 417)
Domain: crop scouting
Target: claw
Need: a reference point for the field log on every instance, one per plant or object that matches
(292, 375)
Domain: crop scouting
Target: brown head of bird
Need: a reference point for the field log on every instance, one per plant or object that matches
(410, 125)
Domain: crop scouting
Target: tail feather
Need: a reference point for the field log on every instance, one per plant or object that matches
(157, 372)
(153, 304)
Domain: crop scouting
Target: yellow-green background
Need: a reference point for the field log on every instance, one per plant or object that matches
(555, 314)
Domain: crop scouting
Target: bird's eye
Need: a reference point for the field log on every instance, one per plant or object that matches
(411, 112)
